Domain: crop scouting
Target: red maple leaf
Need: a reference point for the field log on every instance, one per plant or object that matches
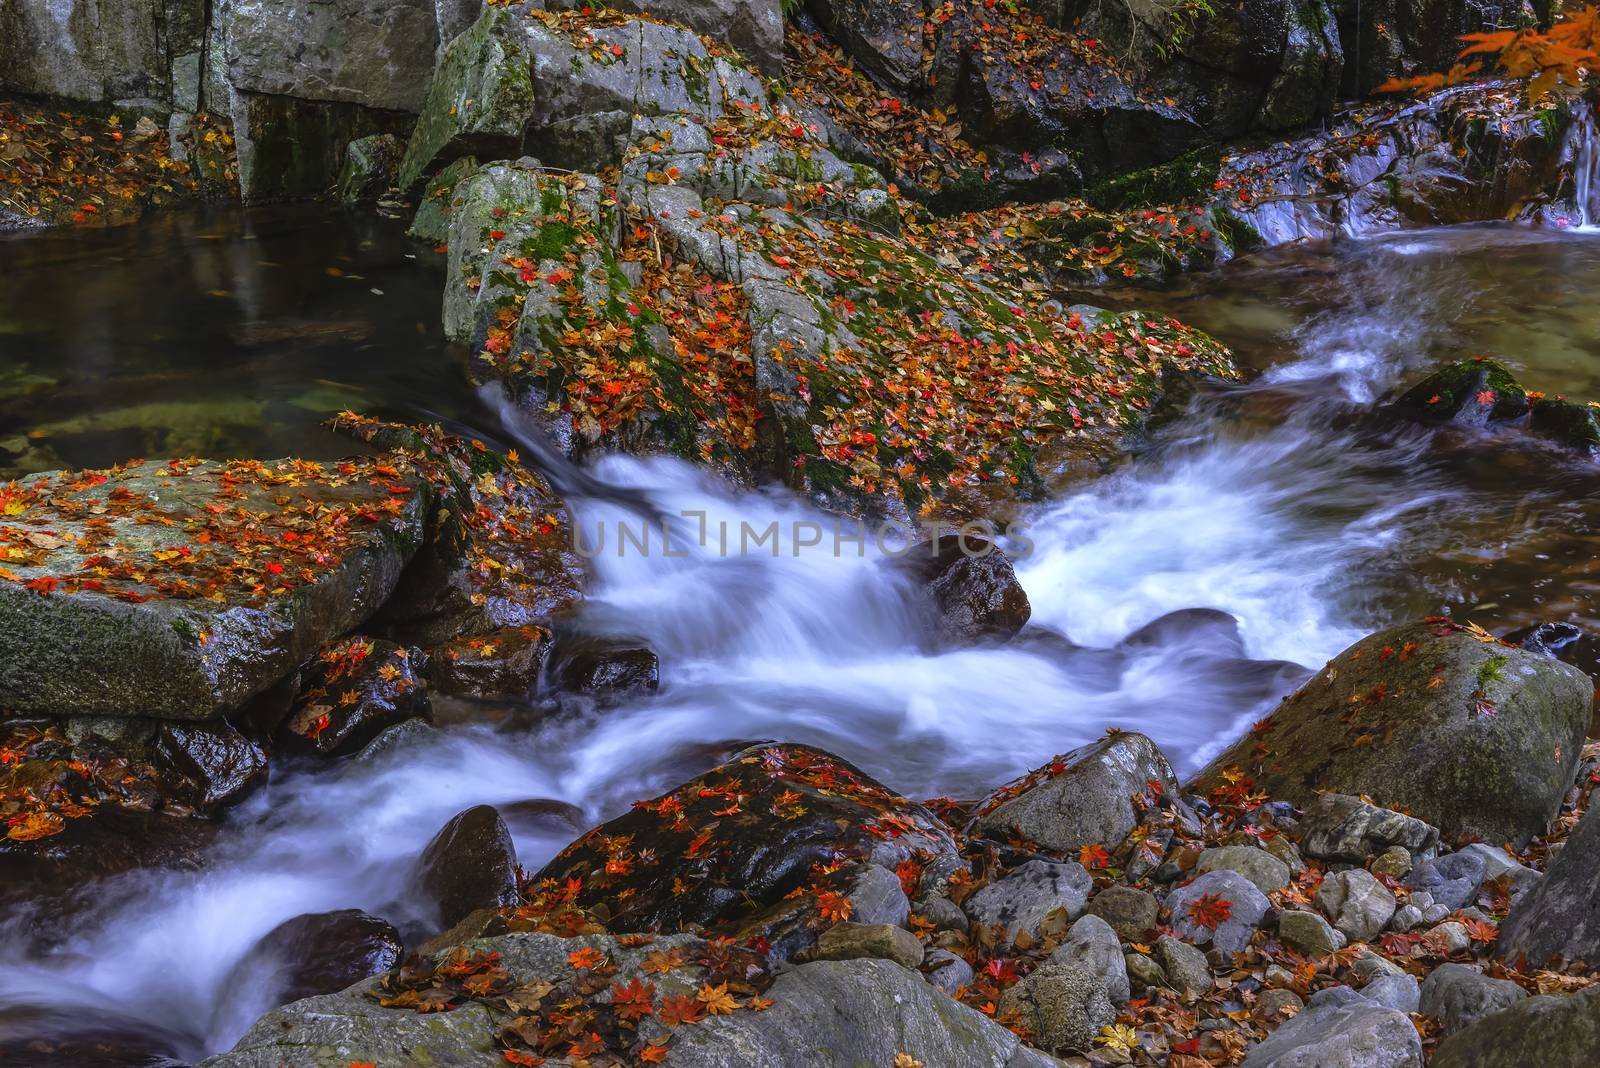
(1209, 910)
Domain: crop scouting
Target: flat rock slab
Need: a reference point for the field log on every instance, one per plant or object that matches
(179, 589)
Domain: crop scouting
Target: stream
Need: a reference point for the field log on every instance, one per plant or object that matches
(1292, 503)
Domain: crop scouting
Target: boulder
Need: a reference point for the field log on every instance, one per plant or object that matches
(1023, 899)
(1470, 393)
(123, 54)
(1085, 797)
(1398, 992)
(827, 1014)
(470, 864)
(1220, 908)
(179, 590)
(1266, 871)
(946, 970)
(1344, 828)
(1457, 995)
(727, 851)
(1560, 916)
(1552, 1031)
(350, 692)
(214, 765)
(1474, 737)
(1356, 902)
(318, 953)
(970, 588)
(1339, 1028)
(754, 27)
(377, 53)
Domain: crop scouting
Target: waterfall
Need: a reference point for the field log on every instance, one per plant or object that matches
(1585, 162)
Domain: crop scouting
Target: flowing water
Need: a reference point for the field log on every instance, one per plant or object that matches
(1291, 503)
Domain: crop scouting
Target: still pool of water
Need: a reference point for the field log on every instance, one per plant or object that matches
(225, 332)
(1291, 502)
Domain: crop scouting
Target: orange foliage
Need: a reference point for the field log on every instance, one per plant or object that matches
(1565, 55)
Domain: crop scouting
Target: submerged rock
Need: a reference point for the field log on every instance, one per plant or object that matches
(1471, 393)
(179, 590)
(609, 670)
(1473, 736)
(1577, 426)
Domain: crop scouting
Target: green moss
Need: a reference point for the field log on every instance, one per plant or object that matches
(1489, 671)
(1184, 180)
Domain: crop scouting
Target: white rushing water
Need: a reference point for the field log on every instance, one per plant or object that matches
(1275, 518)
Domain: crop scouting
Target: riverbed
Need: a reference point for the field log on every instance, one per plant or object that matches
(1291, 502)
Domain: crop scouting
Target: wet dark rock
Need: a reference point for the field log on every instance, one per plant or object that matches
(1457, 995)
(1007, 106)
(48, 1036)
(371, 165)
(502, 664)
(177, 657)
(57, 873)
(1085, 797)
(1471, 736)
(685, 860)
(211, 765)
(608, 669)
(318, 953)
(1216, 631)
(544, 816)
(1577, 426)
(1551, 1031)
(351, 692)
(1468, 153)
(470, 864)
(1393, 38)
(971, 589)
(1472, 393)
(1345, 828)
(1560, 917)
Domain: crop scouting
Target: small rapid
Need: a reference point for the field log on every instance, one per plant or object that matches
(1289, 503)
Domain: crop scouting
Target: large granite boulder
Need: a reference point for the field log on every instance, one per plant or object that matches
(1094, 795)
(824, 1014)
(181, 589)
(1551, 1030)
(125, 54)
(774, 843)
(1467, 734)
(1560, 916)
(1339, 1028)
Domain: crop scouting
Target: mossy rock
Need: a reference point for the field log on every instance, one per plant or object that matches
(1470, 393)
(1574, 425)
(432, 221)
(480, 101)
(1475, 737)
